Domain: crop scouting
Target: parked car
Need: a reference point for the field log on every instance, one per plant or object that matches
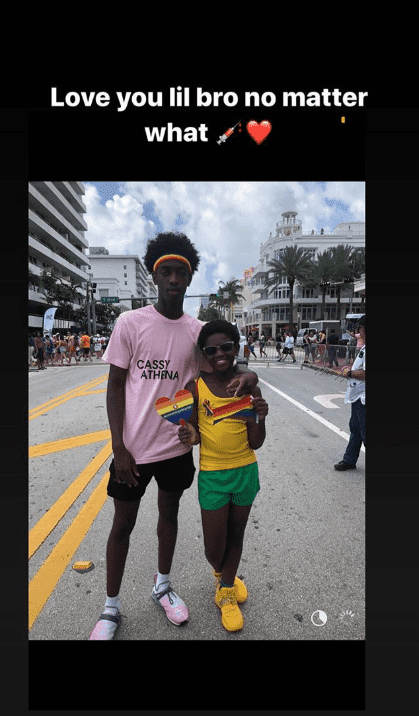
(244, 352)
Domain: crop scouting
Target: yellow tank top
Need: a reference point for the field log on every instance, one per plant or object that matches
(224, 445)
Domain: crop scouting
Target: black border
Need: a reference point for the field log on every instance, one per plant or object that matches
(274, 676)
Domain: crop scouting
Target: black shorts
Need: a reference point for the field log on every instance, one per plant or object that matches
(173, 475)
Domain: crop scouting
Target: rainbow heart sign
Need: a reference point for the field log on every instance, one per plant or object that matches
(259, 132)
(179, 409)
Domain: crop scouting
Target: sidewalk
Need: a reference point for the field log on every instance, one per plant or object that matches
(321, 362)
(94, 361)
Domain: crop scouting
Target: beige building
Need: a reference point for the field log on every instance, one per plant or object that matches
(266, 311)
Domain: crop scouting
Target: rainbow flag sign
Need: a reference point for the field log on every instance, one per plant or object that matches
(177, 409)
(237, 408)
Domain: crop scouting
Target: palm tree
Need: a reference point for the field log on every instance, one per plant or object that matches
(50, 286)
(231, 287)
(349, 264)
(215, 302)
(293, 262)
(342, 255)
(322, 273)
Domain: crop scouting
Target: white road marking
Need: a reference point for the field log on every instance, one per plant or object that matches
(302, 407)
(326, 400)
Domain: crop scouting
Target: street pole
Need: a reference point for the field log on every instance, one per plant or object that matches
(88, 297)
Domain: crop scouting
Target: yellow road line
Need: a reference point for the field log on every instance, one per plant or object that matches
(93, 392)
(67, 443)
(50, 519)
(45, 580)
(60, 399)
(84, 386)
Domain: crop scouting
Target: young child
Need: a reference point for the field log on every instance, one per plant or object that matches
(228, 479)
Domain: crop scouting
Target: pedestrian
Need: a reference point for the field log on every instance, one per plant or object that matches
(62, 349)
(321, 344)
(48, 350)
(332, 347)
(359, 342)
(85, 344)
(39, 351)
(278, 345)
(97, 346)
(289, 346)
(251, 345)
(306, 345)
(56, 353)
(312, 338)
(228, 480)
(72, 347)
(152, 352)
(355, 395)
(31, 347)
(262, 345)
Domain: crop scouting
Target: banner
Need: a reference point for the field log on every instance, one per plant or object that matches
(49, 320)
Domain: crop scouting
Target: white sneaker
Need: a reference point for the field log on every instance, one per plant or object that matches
(175, 608)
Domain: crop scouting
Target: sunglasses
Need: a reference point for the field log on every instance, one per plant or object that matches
(225, 347)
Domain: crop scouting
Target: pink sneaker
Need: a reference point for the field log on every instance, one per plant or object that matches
(175, 608)
(106, 626)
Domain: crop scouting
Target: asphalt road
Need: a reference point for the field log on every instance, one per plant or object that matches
(304, 553)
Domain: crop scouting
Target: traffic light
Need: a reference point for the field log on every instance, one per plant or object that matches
(94, 287)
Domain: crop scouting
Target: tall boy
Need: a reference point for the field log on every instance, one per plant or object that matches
(152, 352)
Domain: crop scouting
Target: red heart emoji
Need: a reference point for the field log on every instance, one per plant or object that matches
(259, 132)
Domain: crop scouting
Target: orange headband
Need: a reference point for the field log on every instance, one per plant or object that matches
(168, 257)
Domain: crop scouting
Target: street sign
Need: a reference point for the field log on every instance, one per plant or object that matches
(109, 299)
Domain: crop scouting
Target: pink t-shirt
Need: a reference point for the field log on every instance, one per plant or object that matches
(161, 356)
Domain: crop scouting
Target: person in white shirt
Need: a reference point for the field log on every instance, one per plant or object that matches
(355, 395)
(289, 346)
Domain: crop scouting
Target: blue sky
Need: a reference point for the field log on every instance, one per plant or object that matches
(227, 221)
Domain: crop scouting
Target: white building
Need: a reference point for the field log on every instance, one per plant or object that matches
(56, 243)
(122, 276)
(269, 311)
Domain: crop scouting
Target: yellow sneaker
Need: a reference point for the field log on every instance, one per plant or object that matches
(240, 589)
(231, 616)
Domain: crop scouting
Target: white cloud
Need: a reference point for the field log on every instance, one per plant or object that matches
(227, 221)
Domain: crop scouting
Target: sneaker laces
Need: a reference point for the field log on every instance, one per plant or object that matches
(229, 601)
(167, 591)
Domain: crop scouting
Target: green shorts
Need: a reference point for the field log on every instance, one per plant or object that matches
(216, 488)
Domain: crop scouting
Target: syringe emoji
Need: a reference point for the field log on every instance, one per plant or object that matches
(227, 134)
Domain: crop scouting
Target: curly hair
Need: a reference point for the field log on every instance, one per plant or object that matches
(219, 326)
(170, 243)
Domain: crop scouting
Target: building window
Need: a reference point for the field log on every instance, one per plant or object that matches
(308, 313)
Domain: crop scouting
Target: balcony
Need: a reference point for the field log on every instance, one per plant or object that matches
(61, 220)
(44, 251)
(47, 195)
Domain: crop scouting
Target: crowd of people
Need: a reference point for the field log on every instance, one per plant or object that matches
(315, 344)
(58, 349)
